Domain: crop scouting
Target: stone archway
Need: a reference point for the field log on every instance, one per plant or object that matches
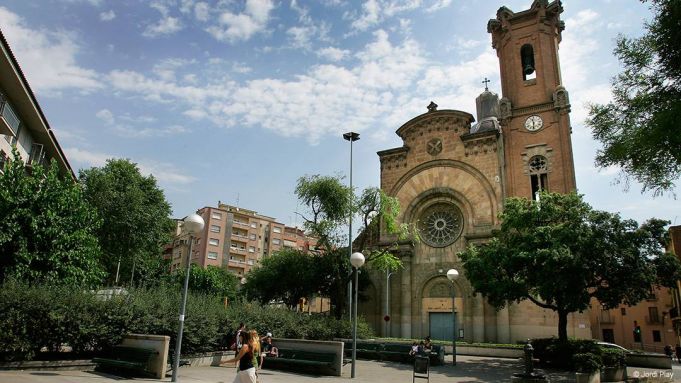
(434, 307)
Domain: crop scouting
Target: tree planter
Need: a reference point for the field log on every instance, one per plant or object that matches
(588, 377)
(614, 374)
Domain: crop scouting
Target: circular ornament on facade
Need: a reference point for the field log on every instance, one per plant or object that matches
(441, 224)
(434, 146)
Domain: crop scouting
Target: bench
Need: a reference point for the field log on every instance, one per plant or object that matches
(298, 359)
(396, 352)
(132, 359)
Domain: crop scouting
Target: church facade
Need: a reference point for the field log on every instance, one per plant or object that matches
(451, 176)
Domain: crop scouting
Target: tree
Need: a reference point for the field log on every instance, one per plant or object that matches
(329, 204)
(560, 253)
(47, 229)
(641, 128)
(212, 280)
(287, 276)
(136, 219)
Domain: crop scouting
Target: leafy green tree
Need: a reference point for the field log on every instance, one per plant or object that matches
(212, 280)
(329, 203)
(287, 276)
(47, 228)
(560, 253)
(640, 129)
(136, 219)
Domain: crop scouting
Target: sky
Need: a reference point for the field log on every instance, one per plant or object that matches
(234, 100)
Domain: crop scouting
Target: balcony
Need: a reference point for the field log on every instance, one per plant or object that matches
(655, 320)
(9, 122)
(607, 319)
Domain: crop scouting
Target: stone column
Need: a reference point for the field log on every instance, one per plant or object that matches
(478, 318)
(405, 298)
(503, 326)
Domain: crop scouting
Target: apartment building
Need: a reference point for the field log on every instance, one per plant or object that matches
(237, 238)
(22, 123)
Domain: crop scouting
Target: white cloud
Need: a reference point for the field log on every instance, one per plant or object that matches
(108, 15)
(333, 54)
(242, 68)
(106, 116)
(375, 12)
(32, 46)
(438, 4)
(201, 11)
(137, 132)
(163, 172)
(234, 27)
(166, 26)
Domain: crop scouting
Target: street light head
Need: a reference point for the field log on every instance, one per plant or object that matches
(193, 224)
(452, 274)
(357, 260)
(351, 136)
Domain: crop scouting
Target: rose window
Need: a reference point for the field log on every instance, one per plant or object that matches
(440, 224)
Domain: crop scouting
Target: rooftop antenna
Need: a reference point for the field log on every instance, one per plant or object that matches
(237, 201)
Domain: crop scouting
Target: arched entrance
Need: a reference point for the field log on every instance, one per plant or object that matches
(436, 309)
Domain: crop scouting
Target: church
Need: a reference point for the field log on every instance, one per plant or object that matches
(451, 177)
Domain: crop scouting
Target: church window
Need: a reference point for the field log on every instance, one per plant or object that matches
(441, 224)
(538, 174)
(527, 62)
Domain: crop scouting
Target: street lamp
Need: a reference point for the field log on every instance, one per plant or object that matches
(192, 224)
(452, 275)
(352, 137)
(357, 260)
(386, 318)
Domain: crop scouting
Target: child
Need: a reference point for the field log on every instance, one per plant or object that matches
(414, 349)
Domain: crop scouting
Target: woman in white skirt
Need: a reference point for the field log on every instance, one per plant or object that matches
(247, 360)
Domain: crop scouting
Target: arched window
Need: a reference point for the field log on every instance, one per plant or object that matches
(527, 62)
(538, 166)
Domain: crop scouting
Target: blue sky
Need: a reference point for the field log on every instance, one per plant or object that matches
(234, 100)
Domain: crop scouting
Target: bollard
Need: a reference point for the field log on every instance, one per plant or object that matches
(529, 350)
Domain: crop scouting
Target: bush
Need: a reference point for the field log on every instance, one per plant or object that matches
(587, 362)
(33, 318)
(559, 354)
(613, 357)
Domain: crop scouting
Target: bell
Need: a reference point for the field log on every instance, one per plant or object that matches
(528, 69)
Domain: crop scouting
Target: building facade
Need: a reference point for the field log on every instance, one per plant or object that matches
(451, 176)
(23, 126)
(237, 238)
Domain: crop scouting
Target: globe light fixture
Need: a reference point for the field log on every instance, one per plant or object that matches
(452, 275)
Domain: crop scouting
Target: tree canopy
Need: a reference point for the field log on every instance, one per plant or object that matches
(640, 129)
(212, 280)
(559, 253)
(328, 204)
(47, 229)
(136, 219)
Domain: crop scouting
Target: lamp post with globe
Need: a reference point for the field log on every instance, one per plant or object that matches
(191, 225)
(357, 260)
(452, 275)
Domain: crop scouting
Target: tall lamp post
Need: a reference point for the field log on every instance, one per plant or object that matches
(386, 319)
(452, 275)
(193, 224)
(357, 260)
(352, 137)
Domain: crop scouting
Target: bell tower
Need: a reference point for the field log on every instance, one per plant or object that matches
(534, 109)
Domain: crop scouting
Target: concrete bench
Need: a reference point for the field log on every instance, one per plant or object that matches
(130, 359)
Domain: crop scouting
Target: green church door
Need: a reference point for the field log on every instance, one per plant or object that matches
(441, 326)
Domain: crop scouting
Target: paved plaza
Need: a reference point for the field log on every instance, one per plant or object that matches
(469, 369)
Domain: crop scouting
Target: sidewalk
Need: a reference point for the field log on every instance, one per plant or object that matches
(469, 369)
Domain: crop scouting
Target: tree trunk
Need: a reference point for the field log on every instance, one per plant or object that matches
(562, 325)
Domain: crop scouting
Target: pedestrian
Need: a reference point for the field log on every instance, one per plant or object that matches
(668, 351)
(678, 353)
(246, 360)
(236, 346)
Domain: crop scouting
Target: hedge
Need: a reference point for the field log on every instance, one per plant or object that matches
(35, 318)
(559, 354)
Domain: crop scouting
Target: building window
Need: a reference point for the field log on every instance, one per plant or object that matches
(653, 316)
(214, 241)
(527, 60)
(254, 225)
(3, 160)
(276, 229)
(215, 228)
(276, 241)
(212, 255)
(217, 216)
(538, 175)
(656, 336)
(253, 237)
(623, 311)
(251, 249)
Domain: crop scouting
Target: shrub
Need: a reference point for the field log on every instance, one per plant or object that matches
(587, 362)
(613, 357)
(559, 354)
(33, 318)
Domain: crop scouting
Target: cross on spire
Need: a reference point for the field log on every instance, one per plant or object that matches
(486, 81)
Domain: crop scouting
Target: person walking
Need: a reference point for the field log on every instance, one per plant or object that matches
(246, 360)
(678, 353)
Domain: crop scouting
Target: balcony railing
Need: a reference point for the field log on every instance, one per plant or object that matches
(654, 320)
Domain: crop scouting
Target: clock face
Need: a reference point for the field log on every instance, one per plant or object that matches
(533, 123)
